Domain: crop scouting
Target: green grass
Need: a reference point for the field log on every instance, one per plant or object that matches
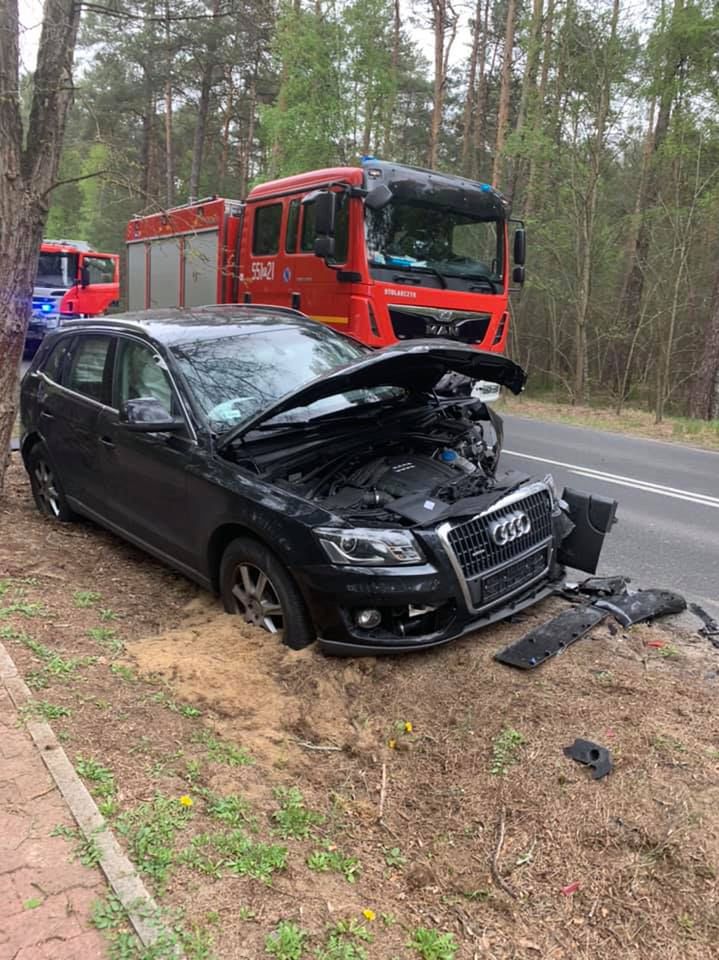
(220, 752)
(86, 851)
(287, 941)
(330, 859)
(43, 710)
(393, 857)
(345, 942)
(150, 830)
(233, 851)
(85, 598)
(505, 748)
(174, 939)
(125, 673)
(232, 810)
(54, 666)
(293, 820)
(431, 945)
(107, 638)
(101, 777)
(184, 709)
(24, 607)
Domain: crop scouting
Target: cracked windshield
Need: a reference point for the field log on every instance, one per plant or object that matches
(427, 239)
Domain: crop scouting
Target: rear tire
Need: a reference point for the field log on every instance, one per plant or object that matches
(255, 585)
(46, 487)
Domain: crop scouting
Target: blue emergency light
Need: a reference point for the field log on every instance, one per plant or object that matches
(46, 307)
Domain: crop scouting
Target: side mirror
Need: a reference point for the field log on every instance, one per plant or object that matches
(378, 197)
(518, 275)
(325, 212)
(84, 276)
(324, 247)
(520, 247)
(148, 415)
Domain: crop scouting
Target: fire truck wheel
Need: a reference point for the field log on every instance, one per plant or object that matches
(255, 585)
(46, 487)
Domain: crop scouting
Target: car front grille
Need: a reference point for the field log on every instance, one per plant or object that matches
(472, 542)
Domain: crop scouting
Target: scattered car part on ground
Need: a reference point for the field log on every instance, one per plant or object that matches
(591, 754)
(322, 488)
(630, 608)
(710, 630)
(551, 638)
(597, 587)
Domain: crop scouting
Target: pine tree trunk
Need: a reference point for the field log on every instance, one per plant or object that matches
(481, 101)
(529, 83)
(704, 399)
(469, 97)
(29, 160)
(586, 229)
(504, 93)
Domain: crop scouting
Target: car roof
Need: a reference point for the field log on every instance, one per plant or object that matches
(179, 324)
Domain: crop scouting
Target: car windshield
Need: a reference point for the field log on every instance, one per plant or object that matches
(425, 238)
(56, 270)
(234, 377)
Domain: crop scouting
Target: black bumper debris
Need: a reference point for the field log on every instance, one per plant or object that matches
(591, 754)
(710, 630)
(629, 608)
(551, 638)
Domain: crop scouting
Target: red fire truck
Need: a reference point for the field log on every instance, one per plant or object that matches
(382, 251)
(72, 281)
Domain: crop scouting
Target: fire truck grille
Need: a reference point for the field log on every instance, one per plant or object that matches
(411, 323)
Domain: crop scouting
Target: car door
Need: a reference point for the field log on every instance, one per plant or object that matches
(145, 473)
(69, 412)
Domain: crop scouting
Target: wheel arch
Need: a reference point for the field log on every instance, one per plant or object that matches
(221, 538)
(30, 441)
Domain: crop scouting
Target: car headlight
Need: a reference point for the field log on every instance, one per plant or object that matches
(369, 547)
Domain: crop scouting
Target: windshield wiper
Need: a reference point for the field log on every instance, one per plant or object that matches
(412, 268)
(484, 277)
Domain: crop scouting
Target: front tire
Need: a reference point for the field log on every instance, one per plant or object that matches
(46, 487)
(255, 585)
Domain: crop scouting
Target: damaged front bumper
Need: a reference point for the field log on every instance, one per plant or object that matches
(480, 570)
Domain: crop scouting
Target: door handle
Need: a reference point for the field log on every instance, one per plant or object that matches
(47, 415)
(107, 442)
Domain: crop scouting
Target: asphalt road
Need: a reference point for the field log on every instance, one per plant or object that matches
(667, 534)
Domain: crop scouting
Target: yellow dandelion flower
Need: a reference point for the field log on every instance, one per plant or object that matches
(186, 801)
(408, 727)
(392, 744)
(369, 914)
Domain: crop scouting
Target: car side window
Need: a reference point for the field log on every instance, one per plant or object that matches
(88, 366)
(138, 374)
(54, 364)
(100, 269)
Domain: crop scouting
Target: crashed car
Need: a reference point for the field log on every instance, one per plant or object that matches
(323, 489)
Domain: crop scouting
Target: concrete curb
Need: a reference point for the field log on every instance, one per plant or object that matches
(120, 873)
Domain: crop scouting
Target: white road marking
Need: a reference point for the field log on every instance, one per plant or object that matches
(645, 485)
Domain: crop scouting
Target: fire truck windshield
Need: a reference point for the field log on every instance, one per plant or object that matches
(56, 270)
(420, 237)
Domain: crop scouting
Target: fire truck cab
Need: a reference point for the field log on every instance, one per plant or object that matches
(72, 281)
(382, 251)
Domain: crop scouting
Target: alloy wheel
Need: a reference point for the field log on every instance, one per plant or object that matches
(47, 492)
(256, 598)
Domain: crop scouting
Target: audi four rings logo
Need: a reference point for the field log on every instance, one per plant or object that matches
(510, 527)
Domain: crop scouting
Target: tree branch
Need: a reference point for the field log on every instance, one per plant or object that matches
(84, 176)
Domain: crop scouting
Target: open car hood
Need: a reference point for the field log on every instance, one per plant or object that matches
(418, 366)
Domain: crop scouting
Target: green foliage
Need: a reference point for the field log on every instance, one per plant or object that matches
(101, 778)
(235, 852)
(431, 945)
(293, 819)
(150, 830)
(505, 747)
(218, 751)
(345, 942)
(330, 859)
(85, 598)
(287, 941)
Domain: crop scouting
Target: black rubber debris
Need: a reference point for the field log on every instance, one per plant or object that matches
(591, 754)
(710, 630)
(629, 608)
(551, 638)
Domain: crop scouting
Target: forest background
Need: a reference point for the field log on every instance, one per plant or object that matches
(598, 119)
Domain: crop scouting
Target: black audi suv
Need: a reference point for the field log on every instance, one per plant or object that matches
(323, 489)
